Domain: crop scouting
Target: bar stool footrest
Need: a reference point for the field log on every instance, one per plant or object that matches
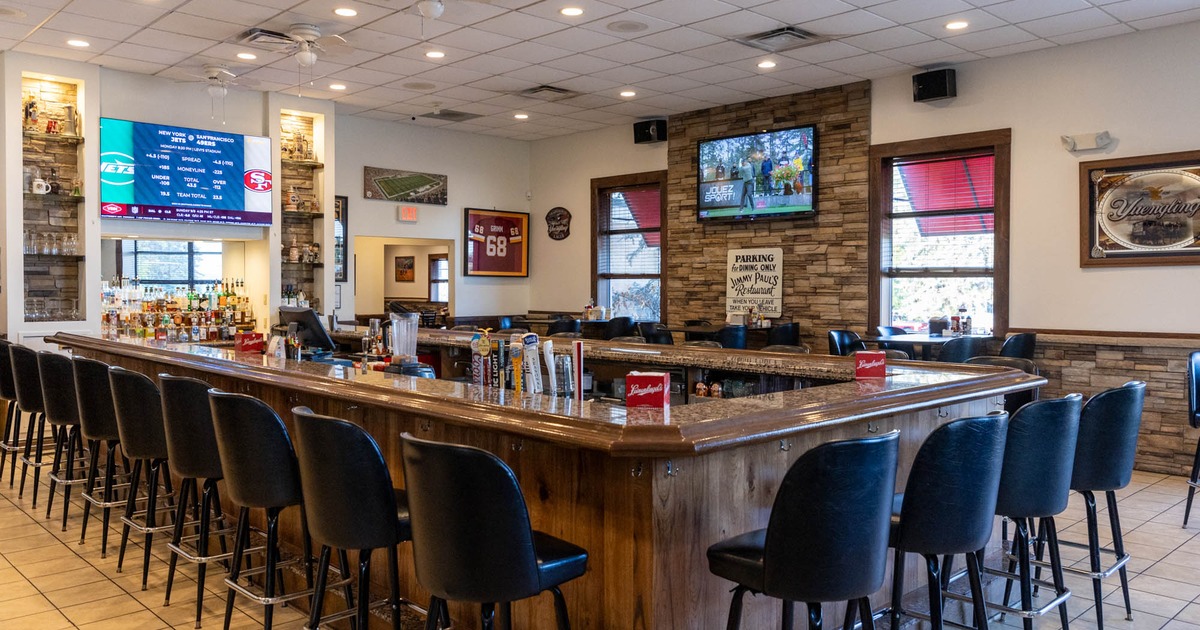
(1117, 564)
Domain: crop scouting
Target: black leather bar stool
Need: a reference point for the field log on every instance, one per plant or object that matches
(827, 538)
(890, 331)
(62, 411)
(785, 334)
(1108, 433)
(192, 456)
(1020, 345)
(564, 325)
(138, 407)
(959, 349)
(98, 424)
(10, 440)
(947, 508)
(472, 540)
(732, 337)
(619, 327)
(1193, 418)
(843, 342)
(1015, 400)
(350, 504)
(694, 336)
(28, 380)
(261, 472)
(1036, 484)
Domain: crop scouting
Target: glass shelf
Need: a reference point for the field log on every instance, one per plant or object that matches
(48, 197)
(75, 257)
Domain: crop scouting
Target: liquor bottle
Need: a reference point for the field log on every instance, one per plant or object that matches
(220, 291)
(213, 333)
(196, 329)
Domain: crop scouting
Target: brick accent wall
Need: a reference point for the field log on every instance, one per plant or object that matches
(825, 259)
(1089, 365)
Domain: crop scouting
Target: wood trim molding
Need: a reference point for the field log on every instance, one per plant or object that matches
(628, 181)
(1107, 333)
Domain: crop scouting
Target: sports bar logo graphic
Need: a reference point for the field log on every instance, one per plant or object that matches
(116, 168)
(257, 180)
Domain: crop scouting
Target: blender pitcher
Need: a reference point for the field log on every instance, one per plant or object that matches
(404, 338)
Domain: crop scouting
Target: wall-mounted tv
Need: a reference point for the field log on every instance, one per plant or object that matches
(758, 176)
(164, 173)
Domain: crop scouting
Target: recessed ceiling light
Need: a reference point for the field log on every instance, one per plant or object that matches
(345, 12)
(435, 54)
(336, 86)
(956, 25)
(521, 116)
(572, 11)
(628, 93)
(247, 56)
(766, 64)
(78, 43)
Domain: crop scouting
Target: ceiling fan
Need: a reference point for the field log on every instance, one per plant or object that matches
(218, 78)
(302, 41)
(433, 9)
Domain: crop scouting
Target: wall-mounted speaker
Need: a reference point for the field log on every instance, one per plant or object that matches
(648, 131)
(934, 85)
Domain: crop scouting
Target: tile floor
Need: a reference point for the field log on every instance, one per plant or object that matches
(49, 581)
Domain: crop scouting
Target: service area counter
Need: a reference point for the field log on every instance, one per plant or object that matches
(644, 492)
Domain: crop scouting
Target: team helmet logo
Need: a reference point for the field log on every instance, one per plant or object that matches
(257, 180)
(116, 169)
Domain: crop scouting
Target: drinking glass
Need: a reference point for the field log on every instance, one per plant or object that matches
(55, 247)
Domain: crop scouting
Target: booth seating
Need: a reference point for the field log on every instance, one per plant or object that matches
(827, 537)
(350, 503)
(472, 539)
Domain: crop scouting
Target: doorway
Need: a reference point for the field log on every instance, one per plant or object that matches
(415, 273)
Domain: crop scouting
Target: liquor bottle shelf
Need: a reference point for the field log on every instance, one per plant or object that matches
(56, 137)
(49, 197)
(75, 257)
(304, 264)
(302, 216)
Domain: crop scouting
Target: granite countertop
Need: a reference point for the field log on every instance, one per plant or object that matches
(684, 429)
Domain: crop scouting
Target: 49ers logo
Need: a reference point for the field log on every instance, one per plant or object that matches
(258, 180)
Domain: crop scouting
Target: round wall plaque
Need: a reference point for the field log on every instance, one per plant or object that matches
(558, 223)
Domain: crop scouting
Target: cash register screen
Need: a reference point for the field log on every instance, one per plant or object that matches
(312, 331)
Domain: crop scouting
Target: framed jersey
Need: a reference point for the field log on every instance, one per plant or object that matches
(496, 243)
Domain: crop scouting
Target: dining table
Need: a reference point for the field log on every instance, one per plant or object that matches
(924, 341)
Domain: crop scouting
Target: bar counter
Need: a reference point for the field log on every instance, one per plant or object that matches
(644, 493)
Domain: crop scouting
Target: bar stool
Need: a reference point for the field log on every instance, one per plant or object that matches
(98, 424)
(786, 334)
(891, 331)
(472, 540)
(827, 538)
(350, 504)
(732, 337)
(11, 437)
(1020, 345)
(1014, 400)
(28, 380)
(1036, 484)
(947, 508)
(1193, 418)
(1108, 433)
(619, 327)
(192, 456)
(959, 349)
(261, 471)
(62, 411)
(138, 408)
(843, 342)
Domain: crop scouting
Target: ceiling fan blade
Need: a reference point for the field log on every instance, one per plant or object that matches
(246, 82)
(334, 45)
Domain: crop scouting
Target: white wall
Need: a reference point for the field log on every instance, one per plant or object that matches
(562, 170)
(1142, 88)
(483, 171)
(418, 289)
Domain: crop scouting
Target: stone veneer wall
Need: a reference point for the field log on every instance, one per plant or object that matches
(825, 259)
(1089, 365)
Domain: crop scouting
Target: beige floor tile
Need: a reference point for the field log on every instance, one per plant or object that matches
(1147, 602)
(40, 554)
(77, 578)
(1114, 619)
(1161, 586)
(16, 590)
(1176, 624)
(1176, 572)
(24, 606)
(72, 596)
(144, 620)
(34, 541)
(99, 610)
(1190, 614)
(56, 565)
(49, 620)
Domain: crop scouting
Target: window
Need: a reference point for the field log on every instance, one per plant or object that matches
(179, 264)
(939, 230)
(627, 220)
(439, 278)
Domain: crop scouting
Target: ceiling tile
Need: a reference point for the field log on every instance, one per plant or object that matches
(417, 52)
(714, 94)
(629, 52)
(490, 64)
(520, 25)
(366, 75)
(450, 75)
(686, 11)
(674, 64)
(726, 51)
(388, 94)
(1069, 23)
(51, 37)
(825, 51)
(991, 38)
(628, 74)
(592, 87)
(60, 52)
(234, 11)
(577, 39)
(853, 23)
(755, 84)
(862, 63)
(905, 11)
(717, 74)
(619, 25)
(323, 10)
(398, 65)
(117, 11)
(582, 64)
(94, 27)
(1090, 34)
(675, 103)
(1012, 49)
(145, 53)
(466, 94)
(1166, 20)
(922, 54)
(806, 75)
(503, 84)
(680, 39)
(792, 12)
(127, 65)
(592, 10)
(978, 19)
(412, 26)
(893, 37)
(531, 52)
(18, 32)
(1015, 11)
(195, 26)
(483, 109)
(467, 13)
(670, 84)
(542, 75)
(739, 24)
(1130, 10)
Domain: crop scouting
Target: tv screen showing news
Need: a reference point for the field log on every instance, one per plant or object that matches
(164, 173)
(768, 175)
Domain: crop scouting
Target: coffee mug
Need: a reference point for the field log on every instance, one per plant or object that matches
(40, 187)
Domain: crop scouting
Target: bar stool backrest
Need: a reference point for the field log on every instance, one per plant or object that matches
(564, 325)
(187, 419)
(787, 348)
(959, 349)
(472, 539)
(97, 417)
(843, 342)
(1038, 457)
(732, 337)
(950, 497)
(784, 334)
(1193, 381)
(8, 387)
(256, 454)
(348, 494)
(1108, 432)
(1020, 345)
(58, 388)
(27, 379)
(827, 539)
(1015, 400)
(619, 327)
(139, 414)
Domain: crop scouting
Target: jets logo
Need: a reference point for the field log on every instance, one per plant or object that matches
(116, 169)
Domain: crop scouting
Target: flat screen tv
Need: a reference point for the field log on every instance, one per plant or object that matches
(163, 173)
(758, 176)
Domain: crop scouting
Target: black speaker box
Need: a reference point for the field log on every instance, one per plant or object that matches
(934, 85)
(648, 131)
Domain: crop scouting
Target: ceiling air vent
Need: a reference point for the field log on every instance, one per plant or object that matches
(548, 93)
(450, 115)
(266, 40)
(781, 39)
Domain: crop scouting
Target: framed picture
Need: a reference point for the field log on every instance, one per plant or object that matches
(496, 243)
(405, 271)
(341, 218)
(1140, 211)
(387, 184)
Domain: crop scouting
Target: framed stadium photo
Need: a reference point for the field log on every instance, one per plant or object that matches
(385, 184)
(496, 243)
